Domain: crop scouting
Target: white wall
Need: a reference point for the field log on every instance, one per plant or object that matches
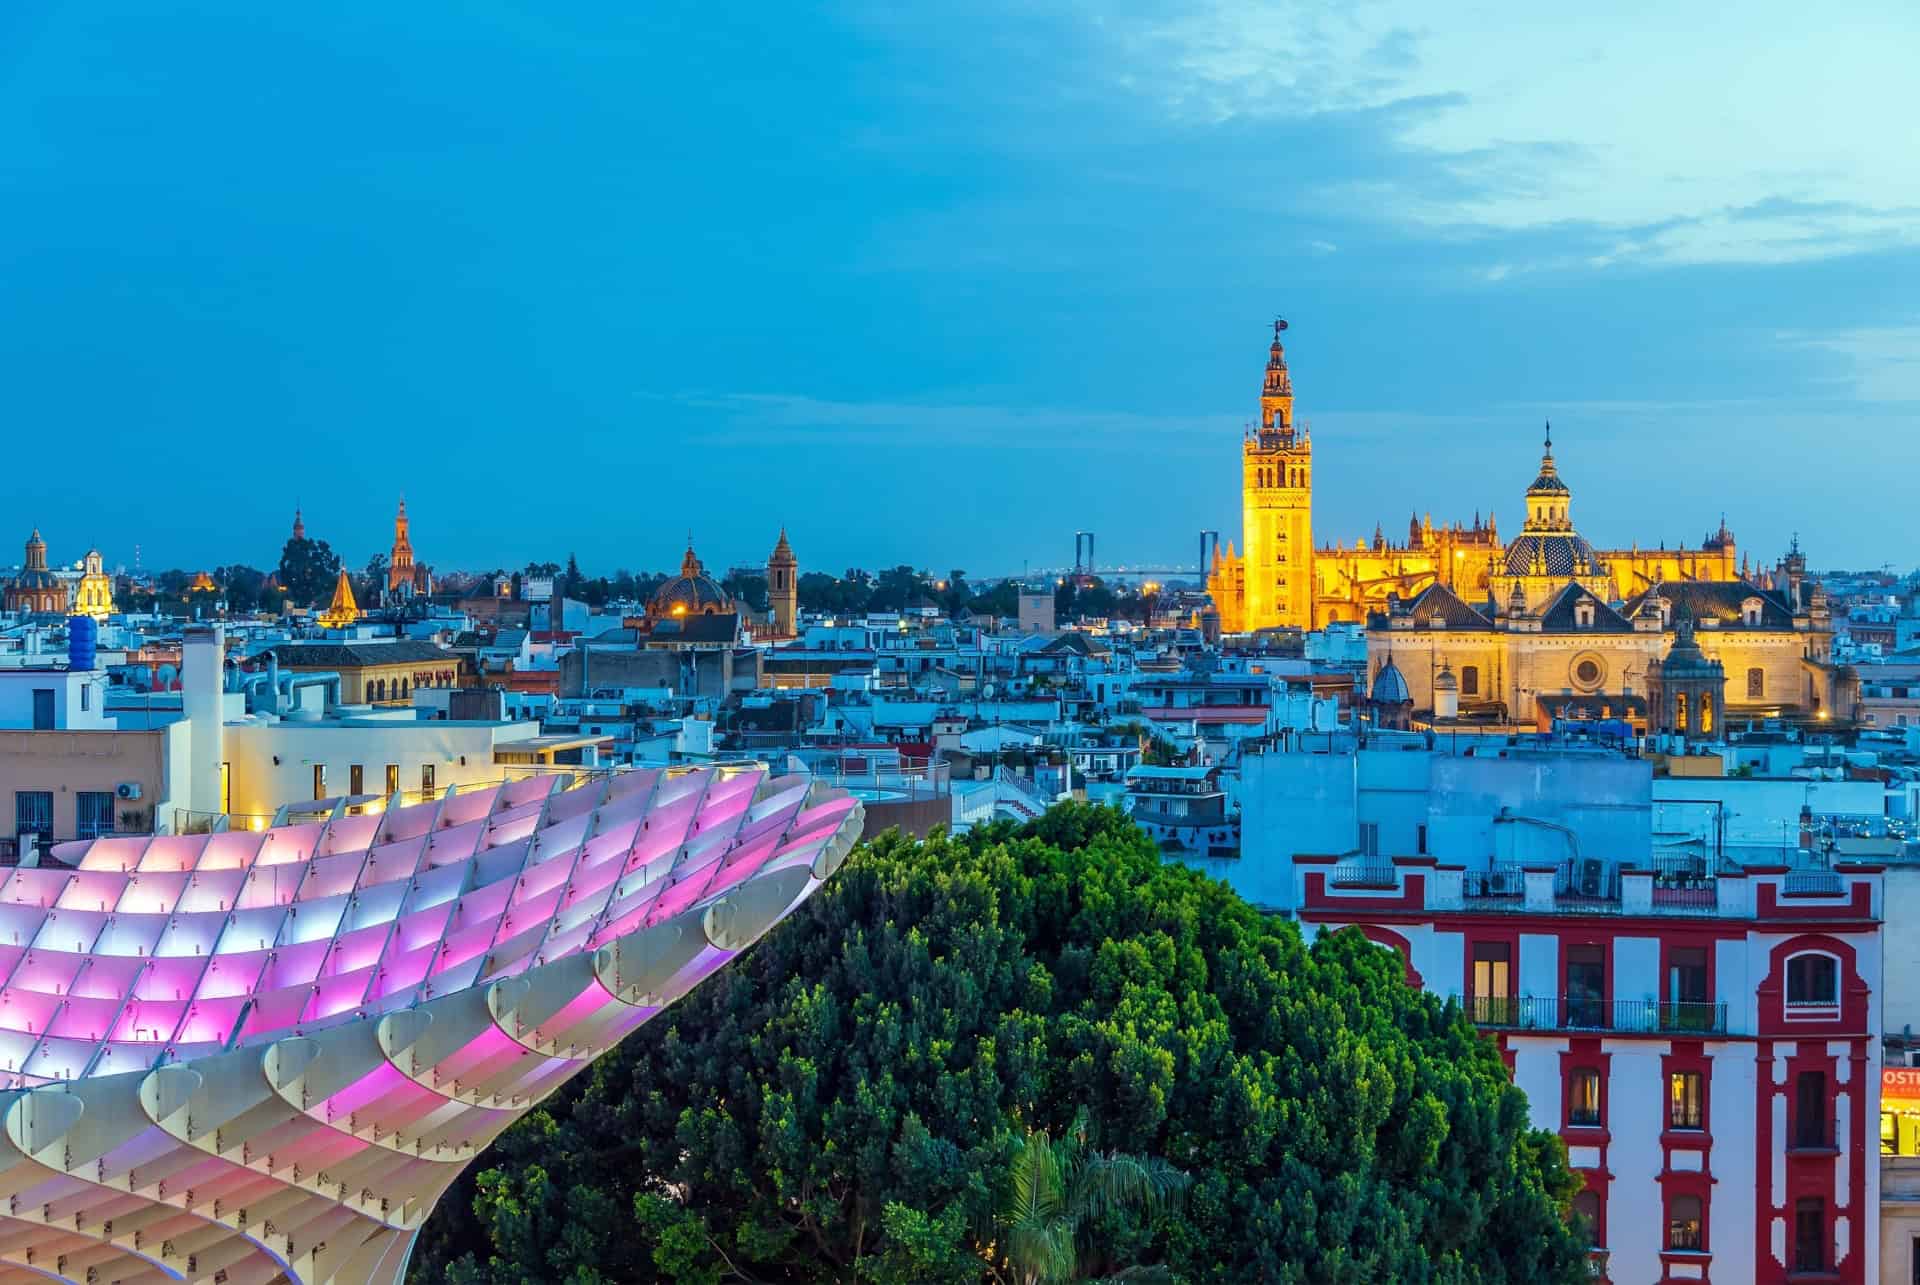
(17, 687)
(261, 785)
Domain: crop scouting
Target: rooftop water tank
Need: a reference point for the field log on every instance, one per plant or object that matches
(83, 640)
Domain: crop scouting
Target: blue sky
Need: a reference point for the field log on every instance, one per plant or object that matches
(941, 283)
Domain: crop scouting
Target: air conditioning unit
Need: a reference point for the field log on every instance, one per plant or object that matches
(127, 791)
(1592, 875)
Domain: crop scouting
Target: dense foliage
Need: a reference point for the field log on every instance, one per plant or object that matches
(855, 1100)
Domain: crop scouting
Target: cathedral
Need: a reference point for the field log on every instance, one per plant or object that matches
(1279, 578)
(1539, 627)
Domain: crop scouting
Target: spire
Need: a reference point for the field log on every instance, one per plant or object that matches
(299, 525)
(690, 565)
(1276, 394)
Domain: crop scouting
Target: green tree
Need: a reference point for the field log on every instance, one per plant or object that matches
(1002, 599)
(846, 1101)
(747, 587)
(308, 570)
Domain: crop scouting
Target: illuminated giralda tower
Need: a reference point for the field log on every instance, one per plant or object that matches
(1277, 490)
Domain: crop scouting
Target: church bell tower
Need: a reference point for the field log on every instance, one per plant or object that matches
(1277, 506)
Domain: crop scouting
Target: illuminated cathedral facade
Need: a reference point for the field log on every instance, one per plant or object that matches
(1542, 626)
(1279, 578)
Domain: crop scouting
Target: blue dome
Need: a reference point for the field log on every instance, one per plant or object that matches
(1390, 686)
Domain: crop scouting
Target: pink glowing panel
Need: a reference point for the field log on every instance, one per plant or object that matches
(152, 894)
(168, 978)
(28, 1011)
(19, 924)
(469, 805)
(150, 1022)
(349, 834)
(36, 887)
(391, 861)
(130, 934)
(92, 890)
(232, 850)
(328, 876)
(119, 855)
(233, 976)
(70, 930)
(289, 844)
(104, 977)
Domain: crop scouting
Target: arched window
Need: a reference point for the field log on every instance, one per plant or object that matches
(1683, 1222)
(1706, 713)
(1680, 710)
(1813, 979)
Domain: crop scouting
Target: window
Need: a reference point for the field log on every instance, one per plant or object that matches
(1583, 1097)
(1469, 680)
(1756, 683)
(1492, 982)
(1810, 1110)
(356, 779)
(1683, 1222)
(43, 709)
(1586, 985)
(94, 809)
(319, 780)
(1685, 1102)
(1813, 979)
(33, 813)
(86, 697)
(1689, 1003)
(1420, 839)
(1586, 1209)
(1680, 710)
(1706, 712)
(1370, 838)
(1809, 1235)
(426, 779)
(393, 778)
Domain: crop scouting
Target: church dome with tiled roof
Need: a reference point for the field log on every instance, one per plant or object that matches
(1389, 686)
(691, 593)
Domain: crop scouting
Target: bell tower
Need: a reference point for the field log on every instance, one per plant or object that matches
(1276, 491)
(783, 589)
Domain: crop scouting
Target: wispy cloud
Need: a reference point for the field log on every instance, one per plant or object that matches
(1688, 139)
(1881, 363)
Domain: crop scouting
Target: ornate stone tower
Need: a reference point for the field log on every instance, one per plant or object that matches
(783, 588)
(1276, 491)
(400, 561)
(1687, 690)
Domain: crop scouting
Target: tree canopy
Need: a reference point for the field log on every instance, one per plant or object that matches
(857, 1098)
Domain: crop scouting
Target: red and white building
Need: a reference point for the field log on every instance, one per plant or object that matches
(1707, 1046)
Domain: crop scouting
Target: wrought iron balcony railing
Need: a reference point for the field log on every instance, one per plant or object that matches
(1581, 1013)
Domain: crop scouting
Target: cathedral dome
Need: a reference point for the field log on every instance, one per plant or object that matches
(691, 593)
(1390, 686)
(1554, 553)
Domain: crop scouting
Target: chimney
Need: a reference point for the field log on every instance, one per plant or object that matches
(202, 675)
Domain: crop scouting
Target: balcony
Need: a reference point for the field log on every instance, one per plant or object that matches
(1580, 1013)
